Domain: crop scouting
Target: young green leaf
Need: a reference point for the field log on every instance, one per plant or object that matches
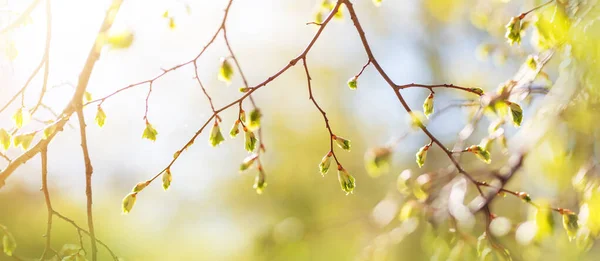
(352, 83)
(377, 2)
(248, 161)
(325, 163)
(250, 140)
(513, 30)
(235, 129)
(570, 223)
(225, 71)
(128, 202)
(346, 180)
(149, 133)
(49, 130)
(417, 119)
(254, 120)
(478, 91)
(140, 186)
(21, 117)
(87, 96)
(481, 153)
(377, 160)
(260, 182)
(167, 177)
(24, 140)
(422, 155)
(516, 113)
(9, 243)
(215, 137)
(100, 117)
(120, 39)
(342, 143)
(428, 105)
(5, 139)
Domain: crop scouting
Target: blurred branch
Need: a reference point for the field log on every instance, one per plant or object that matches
(21, 18)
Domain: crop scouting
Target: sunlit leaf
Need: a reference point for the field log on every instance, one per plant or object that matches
(248, 161)
(140, 186)
(128, 202)
(100, 117)
(325, 163)
(570, 223)
(544, 221)
(21, 117)
(250, 140)
(422, 155)
(9, 243)
(216, 137)
(225, 71)
(260, 182)
(149, 133)
(428, 105)
(513, 30)
(480, 152)
(167, 177)
(87, 96)
(402, 183)
(377, 161)
(120, 39)
(516, 113)
(5, 139)
(347, 181)
(235, 129)
(24, 140)
(254, 120)
(417, 119)
(342, 143)
(352, 83)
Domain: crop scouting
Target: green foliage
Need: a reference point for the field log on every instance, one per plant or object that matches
(422, 155)
(254, 120)
(248, 161)
(5, 138)
(149, 133)
(225, 71)
(513, 30)
(428, 105)
(342, 143)
(167, 177)
(9, 244)
(235, 129)
(325, 163)
(346, 180)
(100, 117)
(260, 182)
(216, 137)
(481, 153)
(352, 83)
(23, 140)
(128, 202)
(21, 117)
(250, 140)
(377, 160)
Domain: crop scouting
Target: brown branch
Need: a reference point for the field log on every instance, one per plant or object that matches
(432, 86)
(80, 229)
(323, 113)
(292, 63)
(48, 234)
(76, 100)
(88, 180)
(397, 88)
(165, 71)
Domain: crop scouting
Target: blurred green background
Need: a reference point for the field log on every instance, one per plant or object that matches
(211, 211)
